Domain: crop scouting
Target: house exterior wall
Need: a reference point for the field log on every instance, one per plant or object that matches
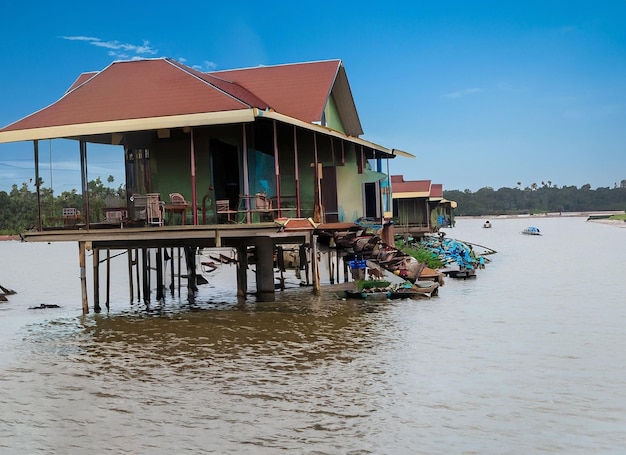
(331, 114)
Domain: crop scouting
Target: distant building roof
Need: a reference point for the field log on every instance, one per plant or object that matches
(402, 189)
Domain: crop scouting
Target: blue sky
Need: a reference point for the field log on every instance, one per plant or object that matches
(484, 93)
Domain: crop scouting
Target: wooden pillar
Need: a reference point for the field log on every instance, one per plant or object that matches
(242, 271)
(172, 270)
(137, 273)
(83, 276)
(38, 185)
(145, 273)
(190, 258)
(179, 274)
(107, 303)
(84, 181)
(280, 262)
(276, 169)
(265, 267)
(304, 263)
(315, 265)
(129, 253)
(296, 170)
(96, 280)
(159, 274)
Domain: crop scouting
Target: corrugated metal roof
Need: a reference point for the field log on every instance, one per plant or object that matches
(298, 90)
(133, 90)
(402, 189)
(124, 92)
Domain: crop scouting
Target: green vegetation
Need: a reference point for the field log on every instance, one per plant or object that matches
(618, 217)
(421, 253)
(536, 199)
(18, 208)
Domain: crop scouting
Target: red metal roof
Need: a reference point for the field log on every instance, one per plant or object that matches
(298, 90)
(399, 185)
(436, 190)
(162, 87)
(139, 89)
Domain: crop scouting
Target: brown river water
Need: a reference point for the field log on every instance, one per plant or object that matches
(529, 357)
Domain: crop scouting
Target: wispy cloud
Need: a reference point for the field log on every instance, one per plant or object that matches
(118, 49)
(207, 65)
(464, 92)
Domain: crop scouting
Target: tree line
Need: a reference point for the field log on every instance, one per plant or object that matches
(535, 199)
(19, 212)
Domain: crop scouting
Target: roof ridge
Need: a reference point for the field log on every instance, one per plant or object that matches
(276, 66)
(200, 76)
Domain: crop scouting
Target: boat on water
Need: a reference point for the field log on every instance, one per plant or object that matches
(419, 289)
(531, 230)
(487, 224)
(384, 290)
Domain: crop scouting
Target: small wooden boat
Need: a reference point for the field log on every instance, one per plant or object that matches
(531, 230)
(487, 224)
(365, 295)
(419, 289)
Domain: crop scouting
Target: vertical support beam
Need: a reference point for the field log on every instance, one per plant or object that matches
(244, 158)
(129, 253)
(190, 258)
(159, 274)
(296, 170)
(246, 177)
(96, 280)
(304, 262)
(179, 274)
(145, 272)
(172, 270)
(280, 262)
(137, 274)
(315, 265)
(242, 271)
(108, 301)
(331, 266)
(317, 209)
(37, 184)
(264, 266)
(276, 168)
(84, 181)
(194, 198)
(83, 276)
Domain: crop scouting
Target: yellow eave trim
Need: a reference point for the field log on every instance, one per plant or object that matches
(122, 126)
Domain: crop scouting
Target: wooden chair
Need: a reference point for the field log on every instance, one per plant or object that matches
(222, 207)
(154, 209)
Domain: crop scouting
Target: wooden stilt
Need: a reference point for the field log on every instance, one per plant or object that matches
(159, 274)
(280, 262)
(242, 271)
(129, 253)
(137, 272)
(264, 265)
(331, 267)
(172, 271)
(96, 280)
(145, 275)
(190, 258)
(315, 265)
(108, 301)
(304, 263)
(179, 272)
(83, 276)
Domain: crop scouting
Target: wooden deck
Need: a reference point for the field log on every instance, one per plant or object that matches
(170, 236)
